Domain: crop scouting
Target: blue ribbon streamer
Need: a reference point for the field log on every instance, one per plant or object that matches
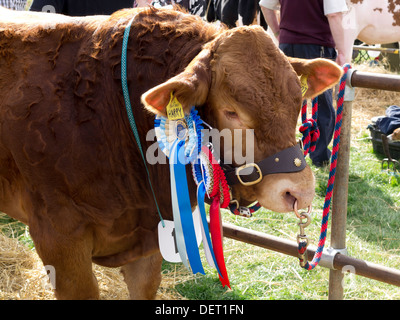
(201, 192)
(179, 237)
(185, 209)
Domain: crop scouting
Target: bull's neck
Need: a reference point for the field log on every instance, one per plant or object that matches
(152, 58)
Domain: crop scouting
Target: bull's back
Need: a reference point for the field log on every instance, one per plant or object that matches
(38, 57)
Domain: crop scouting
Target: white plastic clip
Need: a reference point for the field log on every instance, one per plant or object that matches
(349, 93)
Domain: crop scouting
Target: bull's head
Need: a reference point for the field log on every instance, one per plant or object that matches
(243, 81)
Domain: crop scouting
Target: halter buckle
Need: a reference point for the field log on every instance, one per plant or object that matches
(245, 166)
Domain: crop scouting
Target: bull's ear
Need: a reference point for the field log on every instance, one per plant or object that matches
(189, 88)
(316, 75)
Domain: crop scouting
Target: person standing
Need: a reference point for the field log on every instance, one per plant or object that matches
(311, 29)
(81, 7)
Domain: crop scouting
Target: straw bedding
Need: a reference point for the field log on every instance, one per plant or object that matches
(22, 276)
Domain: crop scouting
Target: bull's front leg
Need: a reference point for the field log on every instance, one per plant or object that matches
(143, 276)
(70, 259)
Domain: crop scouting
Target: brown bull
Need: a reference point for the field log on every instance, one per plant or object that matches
(69, 165)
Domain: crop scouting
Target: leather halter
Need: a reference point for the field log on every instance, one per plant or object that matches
(286, 161)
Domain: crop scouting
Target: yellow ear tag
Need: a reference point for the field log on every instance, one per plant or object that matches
(174, 109)
(303, 84)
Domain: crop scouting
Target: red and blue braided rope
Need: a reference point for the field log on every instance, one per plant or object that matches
(331, 181)
(309, 127)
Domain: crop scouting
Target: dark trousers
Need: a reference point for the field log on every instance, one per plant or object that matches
(228, 12)
(225, 11)
(326, 112)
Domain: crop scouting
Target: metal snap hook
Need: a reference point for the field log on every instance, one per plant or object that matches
(304, 215)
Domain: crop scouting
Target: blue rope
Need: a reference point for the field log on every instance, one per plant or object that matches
(128, 107)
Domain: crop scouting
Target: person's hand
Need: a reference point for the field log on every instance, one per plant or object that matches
(341, 60)
(276, 34)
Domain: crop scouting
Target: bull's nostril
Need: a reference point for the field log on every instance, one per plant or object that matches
(290, 199)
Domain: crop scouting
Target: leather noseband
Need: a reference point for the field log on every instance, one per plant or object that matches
(286, 161)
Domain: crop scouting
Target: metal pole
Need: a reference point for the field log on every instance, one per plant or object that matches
(339, 201)
(340, 192)
(386, 50)
(289, 247)
(378, 81)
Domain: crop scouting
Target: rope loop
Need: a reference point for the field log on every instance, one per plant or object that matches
(311, 134)
(331, 181)
(309, 127)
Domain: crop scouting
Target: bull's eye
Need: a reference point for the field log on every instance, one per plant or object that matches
(231, 114)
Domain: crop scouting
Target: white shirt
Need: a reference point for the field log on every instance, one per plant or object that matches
(330, 6)
(333, 6)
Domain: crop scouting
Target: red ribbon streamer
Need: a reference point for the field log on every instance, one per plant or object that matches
(216, 238)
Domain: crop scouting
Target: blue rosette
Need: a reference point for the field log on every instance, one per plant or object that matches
(187, 129)
(181, 142)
